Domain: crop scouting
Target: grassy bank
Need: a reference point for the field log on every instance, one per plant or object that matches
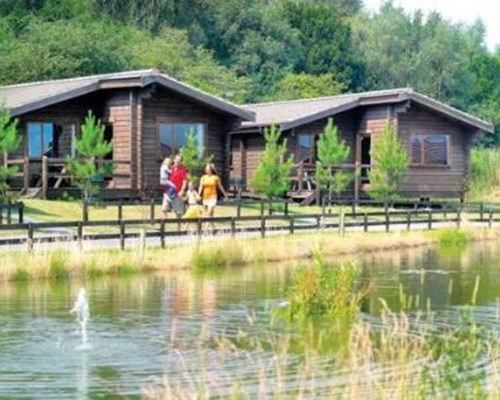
(72, 261)
(485, 175)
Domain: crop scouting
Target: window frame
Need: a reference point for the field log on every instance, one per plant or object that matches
(56, 130)
(178, 121)
(422, 162)
(312, 156)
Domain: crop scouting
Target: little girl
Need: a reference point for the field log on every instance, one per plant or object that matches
(192, 198)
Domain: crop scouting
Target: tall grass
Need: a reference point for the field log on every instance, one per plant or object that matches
(485, 171)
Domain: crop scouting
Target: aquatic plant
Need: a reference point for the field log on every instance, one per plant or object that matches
(452, 238)
(324, 290)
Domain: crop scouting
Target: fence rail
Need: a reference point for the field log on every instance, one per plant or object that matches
(262, 225)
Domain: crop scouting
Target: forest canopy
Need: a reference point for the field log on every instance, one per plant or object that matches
(255, 51)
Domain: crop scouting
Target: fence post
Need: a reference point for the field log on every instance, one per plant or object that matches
(262, 207)
(233, 227)
(490, 220)
(365, 222)
(30, 237)
(263, 226)
(152, 210)
(429, 219)
(9, 211)
(286, 208)
(387, 221)
(198, 228)
(79, 233)
(318, 222)
(120, 210)
(26, 173)
(481, 212)
(238, 208)
(85, 211)
(122, 235)
(459, 215)
(408, 220)
(323, 206)
(20, 213)
(291, 225)
(162, 233)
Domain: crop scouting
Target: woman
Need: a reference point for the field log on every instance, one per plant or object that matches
(209, 183)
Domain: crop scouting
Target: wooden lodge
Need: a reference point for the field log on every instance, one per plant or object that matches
(147, 115)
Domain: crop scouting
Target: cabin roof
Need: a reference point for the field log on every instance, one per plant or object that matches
(26, 97)
(294, 113)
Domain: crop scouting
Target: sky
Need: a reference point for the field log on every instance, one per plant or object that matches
(458, 11)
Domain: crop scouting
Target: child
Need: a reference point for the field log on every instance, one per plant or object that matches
(169, 192)
(192, 198)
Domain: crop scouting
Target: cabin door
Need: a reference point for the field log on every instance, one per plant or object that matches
(363, 158)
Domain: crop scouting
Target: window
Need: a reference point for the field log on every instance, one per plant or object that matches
(429, 149)
(173, 136)
(42, 139)
(305, 147)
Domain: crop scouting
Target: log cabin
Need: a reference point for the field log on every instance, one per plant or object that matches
(436, 136)
(147, 115)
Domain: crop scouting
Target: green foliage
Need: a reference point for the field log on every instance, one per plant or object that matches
(485, 171)
(304, 86)
(271, 178)
(322, 290)
(58, 262)
(91, 146)
(453, 238)
(9, 142)
(389, 163)
(193, 156)
(332, 150)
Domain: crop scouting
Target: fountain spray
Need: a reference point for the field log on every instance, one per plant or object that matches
(81, 309)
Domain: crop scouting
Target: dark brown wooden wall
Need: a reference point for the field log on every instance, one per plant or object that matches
(435, 181)
(164, 106)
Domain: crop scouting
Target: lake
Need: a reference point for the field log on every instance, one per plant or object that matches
(145, 329)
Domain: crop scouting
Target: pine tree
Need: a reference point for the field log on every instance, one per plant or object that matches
(9, 142)
(332, 150)
(90, 146)
(271, 178)
(390, 161)
(193, 157)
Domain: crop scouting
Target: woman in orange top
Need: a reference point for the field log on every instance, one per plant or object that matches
(209, 184)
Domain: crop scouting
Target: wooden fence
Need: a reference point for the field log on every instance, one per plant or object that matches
(9, 209)
(232, 226)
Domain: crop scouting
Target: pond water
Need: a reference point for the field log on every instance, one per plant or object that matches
(143, 328)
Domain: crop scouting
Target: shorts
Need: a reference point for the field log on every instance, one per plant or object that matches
(209, 203)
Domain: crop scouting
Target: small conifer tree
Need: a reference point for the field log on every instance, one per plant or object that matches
(390, 161)
(271, 178)
(193, 156)
(90, 147)
(9, 142)
(332, 150)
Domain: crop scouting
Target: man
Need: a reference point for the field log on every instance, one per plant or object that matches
(179, 177)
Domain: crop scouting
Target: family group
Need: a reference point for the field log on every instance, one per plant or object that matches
(180, 194)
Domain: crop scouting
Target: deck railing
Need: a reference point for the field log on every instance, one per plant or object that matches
(304, 175)
(56, 170)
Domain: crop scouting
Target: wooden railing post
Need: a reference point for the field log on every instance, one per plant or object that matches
(45, 177)
(301, 176)
(233, 227)
(291, 225)
(152, 210)
(122, 235)
(79, 233)
(120, 210)
(30, 237)
(261, 207)
(286, 208)
(429, 219)
(357, 179)
(481, 212)
(20, 212)
(408, 220)
(387, 220)
(365, 222)
(85, 211)
(162, 233)
(26, 173)
(238, 208)
(490, 220)
(263, 226)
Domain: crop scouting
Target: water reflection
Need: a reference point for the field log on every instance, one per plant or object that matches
(140, 323)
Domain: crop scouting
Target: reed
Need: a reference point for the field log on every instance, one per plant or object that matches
(485, 172)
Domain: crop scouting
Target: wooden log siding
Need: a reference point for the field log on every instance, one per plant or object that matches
(117, 112)
(163, 106)
(435, 181)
